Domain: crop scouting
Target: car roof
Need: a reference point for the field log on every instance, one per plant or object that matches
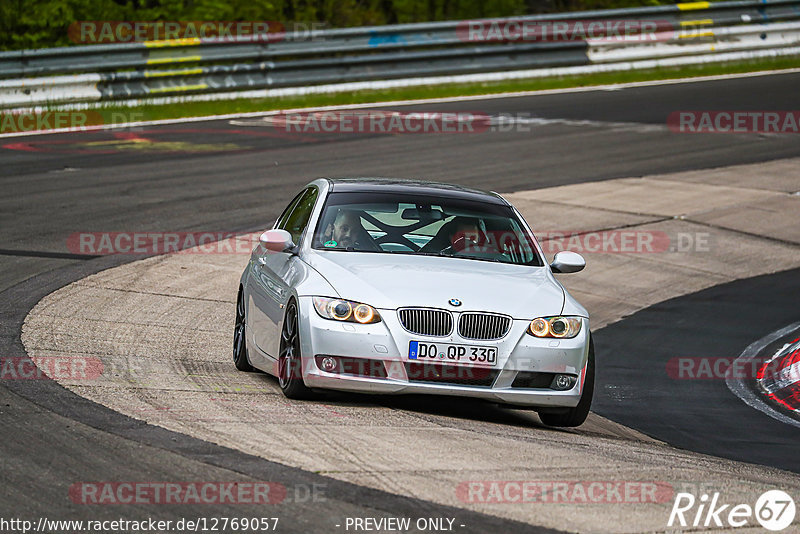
(392, 185)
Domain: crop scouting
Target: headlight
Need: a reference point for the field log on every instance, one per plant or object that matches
(558, 327)
(345, 310)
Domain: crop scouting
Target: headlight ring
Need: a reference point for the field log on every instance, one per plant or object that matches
(345, 310)
(559, 327)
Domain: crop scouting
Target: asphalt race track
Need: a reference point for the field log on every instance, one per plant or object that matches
(714, 323)
(235, 177)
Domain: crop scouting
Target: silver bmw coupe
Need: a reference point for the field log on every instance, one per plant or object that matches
(396, 286)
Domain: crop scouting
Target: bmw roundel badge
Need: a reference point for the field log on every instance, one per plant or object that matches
(454, 302)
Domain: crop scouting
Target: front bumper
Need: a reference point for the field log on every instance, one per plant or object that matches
(386, 343)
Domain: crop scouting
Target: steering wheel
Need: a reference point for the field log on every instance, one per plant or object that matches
(460, 245)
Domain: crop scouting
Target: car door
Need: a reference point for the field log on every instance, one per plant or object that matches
(256, 290)
(277, 272)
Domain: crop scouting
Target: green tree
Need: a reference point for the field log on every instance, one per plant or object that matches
(46, 23)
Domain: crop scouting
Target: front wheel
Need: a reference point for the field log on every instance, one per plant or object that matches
(239, 338)
(577, 415)
(290, 373)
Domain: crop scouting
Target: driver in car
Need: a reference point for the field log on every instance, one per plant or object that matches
(458, 234)
(346, 231)
(465, 232)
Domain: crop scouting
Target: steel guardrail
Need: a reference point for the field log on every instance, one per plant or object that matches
(207, 65)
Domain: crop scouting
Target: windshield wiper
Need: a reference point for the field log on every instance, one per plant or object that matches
(443, 254)
(440, 253)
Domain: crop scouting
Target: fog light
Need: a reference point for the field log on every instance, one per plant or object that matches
(563, 382)
(328, 364)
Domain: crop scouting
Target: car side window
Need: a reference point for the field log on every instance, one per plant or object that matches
(296, 221)
(281, 223)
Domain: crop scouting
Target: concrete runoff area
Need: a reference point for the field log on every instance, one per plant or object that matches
(162, 328)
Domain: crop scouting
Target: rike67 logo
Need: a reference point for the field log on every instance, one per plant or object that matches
(774, 510)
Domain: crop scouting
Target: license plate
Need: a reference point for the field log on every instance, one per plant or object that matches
(450, 353)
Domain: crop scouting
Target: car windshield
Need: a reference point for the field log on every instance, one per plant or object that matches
(398, 223)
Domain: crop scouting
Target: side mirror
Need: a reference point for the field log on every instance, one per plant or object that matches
(276, 240)
(567, 262)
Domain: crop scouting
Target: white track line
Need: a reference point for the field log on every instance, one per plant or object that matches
(787, 376)
(737, 386)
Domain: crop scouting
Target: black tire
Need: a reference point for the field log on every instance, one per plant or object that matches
(577, 415)
(240, 359)
(290, 373)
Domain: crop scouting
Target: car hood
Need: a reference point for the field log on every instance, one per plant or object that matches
(391, 281)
